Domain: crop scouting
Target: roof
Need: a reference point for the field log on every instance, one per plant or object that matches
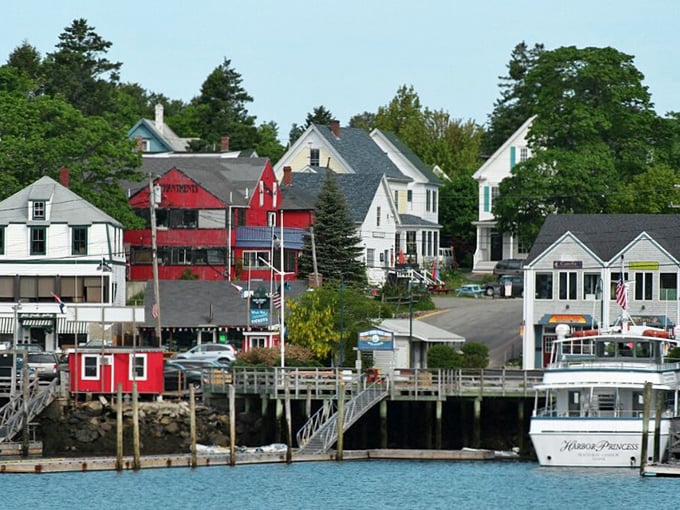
(187, 303)
(511, 139)
(65, 205)
(419, 330)
(606, 235)
(359, 190)
(411, 156)
(166, 135)
(413, 220)
(360, 152)
(232, 180)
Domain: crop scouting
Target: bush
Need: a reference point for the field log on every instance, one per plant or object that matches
(475, 355)
(296, 356)
(443, 356)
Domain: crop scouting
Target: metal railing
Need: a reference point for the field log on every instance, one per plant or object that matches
(14, 413)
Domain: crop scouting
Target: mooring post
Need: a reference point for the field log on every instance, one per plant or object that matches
(428, 425)
(341, 419)
(647, 396)
(289, 431)
(438, 425)
(232, 425)
(264, 413)
(119, 428)
(279, 419)
(135, 428)
(477, 423)
(657, 425)
(383, 424)
(308, 402)
(520, 427)
(192, 425)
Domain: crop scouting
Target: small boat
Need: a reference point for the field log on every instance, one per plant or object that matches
(589, 408)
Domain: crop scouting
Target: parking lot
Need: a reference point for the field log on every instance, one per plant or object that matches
(494, 322)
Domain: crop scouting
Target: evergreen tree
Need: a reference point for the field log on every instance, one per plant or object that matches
(319, 115)
(338, 245)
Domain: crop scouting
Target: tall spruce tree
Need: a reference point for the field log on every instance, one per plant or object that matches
(337, 243)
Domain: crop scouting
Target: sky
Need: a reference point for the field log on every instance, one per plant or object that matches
(352, 56)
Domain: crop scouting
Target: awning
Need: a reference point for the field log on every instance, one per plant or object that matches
(6, 325)
(566, 318)
(67, 327)
(37, 323)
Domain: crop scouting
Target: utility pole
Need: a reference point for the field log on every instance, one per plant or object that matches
(154, 200)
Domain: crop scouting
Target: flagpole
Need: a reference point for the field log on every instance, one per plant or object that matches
(282, 330)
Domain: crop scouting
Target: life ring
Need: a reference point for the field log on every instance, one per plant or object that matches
(585, 332)
(656, 333)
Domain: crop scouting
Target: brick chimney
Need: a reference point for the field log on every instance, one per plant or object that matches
(287, 176)
(224, 143)
(158, 121)
(64, 176)
(335, 128)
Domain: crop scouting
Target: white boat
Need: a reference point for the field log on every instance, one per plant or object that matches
(588, 410)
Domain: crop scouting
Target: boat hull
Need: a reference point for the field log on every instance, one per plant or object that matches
(594, 442)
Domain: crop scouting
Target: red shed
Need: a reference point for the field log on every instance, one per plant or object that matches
(97, 370)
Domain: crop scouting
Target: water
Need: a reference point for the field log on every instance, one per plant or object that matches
(393, 485)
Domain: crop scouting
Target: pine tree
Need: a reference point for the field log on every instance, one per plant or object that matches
(337, 243)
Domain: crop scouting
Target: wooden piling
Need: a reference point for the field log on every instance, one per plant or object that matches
(520, 425)
(232, 425)
(477, 423)
(383, 424)
(341, 420)
(289, 431)
(119, 428)
(647, 396)
(279, 419)
(657, 425)
(308, 402)
(192, 425)
(438, 425)
(428, 425)
(135, 428)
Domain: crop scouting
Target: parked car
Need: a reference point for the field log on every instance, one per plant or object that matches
(470, 289)
(498, 288)
(181, 374)
(6, 366)
(220, 352)
(45, 364)
(508, 266)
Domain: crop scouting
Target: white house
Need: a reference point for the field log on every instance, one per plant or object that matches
(58, 254)
(492, 245)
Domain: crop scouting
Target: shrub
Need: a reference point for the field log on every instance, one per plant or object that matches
(443, 356)
(296, 356)
(475, 355)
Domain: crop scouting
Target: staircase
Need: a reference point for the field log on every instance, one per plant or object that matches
(12, 414)
(321, 431)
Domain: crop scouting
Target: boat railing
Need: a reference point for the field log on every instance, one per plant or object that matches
(553, 412)
(586, 361)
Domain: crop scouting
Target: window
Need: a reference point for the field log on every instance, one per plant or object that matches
(2, 240)
(494, 195)
(644, 286)
(314, 157)
(427, 200)
(38, 210)
(612, 284)
(411, 242)
(591, 286)
(434, 201)
(377, 216)
(138, 366)
(79, 241)
(38, 241)
(370, 257)
(271, 219)
(90, 367)
(523, 153)
(567, 285)
(238, 217)
(396, 198)
(254, 259)
(258, 341)
(182, 218)
(668, 287)
(409, 196)
(544, 286)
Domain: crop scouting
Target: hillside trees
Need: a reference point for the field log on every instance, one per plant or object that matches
(594, 132)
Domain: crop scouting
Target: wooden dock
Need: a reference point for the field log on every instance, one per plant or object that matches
(661, 470)
(84, 464)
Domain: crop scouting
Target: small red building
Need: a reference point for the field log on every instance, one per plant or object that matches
(97, 370)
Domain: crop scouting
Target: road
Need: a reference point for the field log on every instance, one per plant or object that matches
(494, 322)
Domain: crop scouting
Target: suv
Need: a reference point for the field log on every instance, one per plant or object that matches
(497, 288)
(225, 353)
(45, 364)
(508, 266)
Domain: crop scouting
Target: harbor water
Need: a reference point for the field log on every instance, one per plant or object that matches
(351, 484)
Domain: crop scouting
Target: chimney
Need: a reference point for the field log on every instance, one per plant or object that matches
(224, 143)
(287, 176)
(335, 127)
(64, 176)
(140, 143)
(159, 117)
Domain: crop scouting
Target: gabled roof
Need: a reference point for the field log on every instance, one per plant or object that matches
(411, 156)
(186, 303)
(359, 190)
(165, 136)
(412, 220)
(65, 205)
(358, 150)
(510, 141)
(420, 330)
(232, 180)
(608, 234)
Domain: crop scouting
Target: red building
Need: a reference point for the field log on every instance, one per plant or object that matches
(217, 218)
(97, 370)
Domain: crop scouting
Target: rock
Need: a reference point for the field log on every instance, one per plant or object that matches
(93, 408)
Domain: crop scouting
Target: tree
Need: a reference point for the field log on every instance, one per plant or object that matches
(590, 138)
(26, 60)
(319, 115)
(310, 324)
(338, 245)
(269, 145)
(42, 134)
(220, 109)
(404, 117)
(365, 121)
(80, 71)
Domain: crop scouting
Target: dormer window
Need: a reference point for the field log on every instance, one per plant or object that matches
(314, 157)
(38, 210)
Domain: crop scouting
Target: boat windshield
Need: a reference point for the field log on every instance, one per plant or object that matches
(621, 348)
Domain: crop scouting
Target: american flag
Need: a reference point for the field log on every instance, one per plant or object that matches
(276, 299)
(621, 296)
(154, 311)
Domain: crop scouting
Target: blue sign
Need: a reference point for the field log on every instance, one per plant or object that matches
(259, 317)
(376, 340)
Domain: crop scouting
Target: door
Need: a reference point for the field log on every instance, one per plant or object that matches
(496, 241)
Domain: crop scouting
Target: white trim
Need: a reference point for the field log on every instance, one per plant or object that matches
(85, 377)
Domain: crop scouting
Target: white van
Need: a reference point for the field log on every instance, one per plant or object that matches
(446, 258)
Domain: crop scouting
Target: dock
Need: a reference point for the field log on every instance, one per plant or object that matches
(84, 464)
(661, 470)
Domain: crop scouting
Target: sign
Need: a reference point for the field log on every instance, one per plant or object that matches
(571, 319)
(376, 340)
(643, 266)
(567, 264)
(259, 317)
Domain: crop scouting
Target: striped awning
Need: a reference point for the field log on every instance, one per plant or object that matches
(67, 327)
(6, 325)
(37, 323)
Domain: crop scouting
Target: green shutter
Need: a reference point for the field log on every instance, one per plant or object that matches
(513, 157)
(487, 199)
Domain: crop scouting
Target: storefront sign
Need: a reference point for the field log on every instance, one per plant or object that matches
(643, 266)
(376, 340)
(567, 264)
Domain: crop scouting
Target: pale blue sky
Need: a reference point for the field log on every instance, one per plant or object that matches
(352, 55)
